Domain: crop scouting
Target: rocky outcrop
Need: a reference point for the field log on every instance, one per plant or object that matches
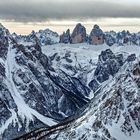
(78, 34)
(109, 40)
(96, 36)
(136, 72)
(108, 65)
(65, 37)
(4, 35)
(131, 58)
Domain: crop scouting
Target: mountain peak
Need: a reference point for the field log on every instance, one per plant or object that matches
(1, 26)
(96, 26)
(78, 34)
(96, 36)
(65, 37)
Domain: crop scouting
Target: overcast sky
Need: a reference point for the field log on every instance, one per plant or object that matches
(26, 11)
(42, 10)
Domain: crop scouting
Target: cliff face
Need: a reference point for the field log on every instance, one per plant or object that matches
(96, 36)
(65, 37)
(78, 34)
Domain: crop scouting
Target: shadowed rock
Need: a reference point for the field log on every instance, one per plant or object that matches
(65, 37)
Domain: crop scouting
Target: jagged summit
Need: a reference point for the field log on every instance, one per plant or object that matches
(79, 34)
(65, 37)
(1, 26)
(96, 36)
(96, 31)
(96, 26)
(3, 30)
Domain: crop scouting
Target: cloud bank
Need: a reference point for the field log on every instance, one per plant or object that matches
(42, 10)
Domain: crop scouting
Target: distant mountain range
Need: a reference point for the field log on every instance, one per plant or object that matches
(73, 86)
(79, 35)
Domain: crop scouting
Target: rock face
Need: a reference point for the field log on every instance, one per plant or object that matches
(4, 34)
(78, 34)
(108, 65)
(109, 40)
(131, 58)
(96, 36)
(65, 37)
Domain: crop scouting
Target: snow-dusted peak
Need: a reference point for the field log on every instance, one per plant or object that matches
(1, 26)
(4, 31)
(47, 37)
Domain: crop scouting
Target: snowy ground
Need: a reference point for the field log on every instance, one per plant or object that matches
(84, 55)
(87, 51)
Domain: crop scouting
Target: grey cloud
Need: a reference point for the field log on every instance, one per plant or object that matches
(41, 10)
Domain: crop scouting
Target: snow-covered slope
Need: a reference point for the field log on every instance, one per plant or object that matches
(113, 114)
